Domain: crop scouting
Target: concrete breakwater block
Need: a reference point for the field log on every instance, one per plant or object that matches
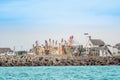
(57, 61)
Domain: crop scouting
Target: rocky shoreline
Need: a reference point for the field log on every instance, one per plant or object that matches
(52, 60)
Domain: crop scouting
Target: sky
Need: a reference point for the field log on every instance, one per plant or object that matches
(22, 22)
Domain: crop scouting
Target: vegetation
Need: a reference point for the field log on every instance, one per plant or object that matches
(118, 52)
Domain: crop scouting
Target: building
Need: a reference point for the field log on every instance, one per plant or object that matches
(21, 53)
(117, 46)
(6, 51)
(97, 47)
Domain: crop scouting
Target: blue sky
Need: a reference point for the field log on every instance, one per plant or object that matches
(24, 21)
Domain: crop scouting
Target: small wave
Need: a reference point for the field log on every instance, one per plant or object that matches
(23, 75)
(1, 78)
(61, 73)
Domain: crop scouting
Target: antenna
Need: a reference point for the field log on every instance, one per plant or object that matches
(14, 48)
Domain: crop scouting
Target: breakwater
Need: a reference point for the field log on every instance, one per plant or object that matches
(53, 60)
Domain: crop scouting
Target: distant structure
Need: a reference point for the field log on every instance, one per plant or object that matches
(6, 51)
(97, 47)
(37, 49)
(118, 46)
(2, 50)
(54, 47)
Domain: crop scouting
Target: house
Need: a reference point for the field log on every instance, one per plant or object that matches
(117, 46)
(2, 50)
(6, 51)
(97, 47)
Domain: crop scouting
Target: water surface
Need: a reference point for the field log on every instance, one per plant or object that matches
(61, 73)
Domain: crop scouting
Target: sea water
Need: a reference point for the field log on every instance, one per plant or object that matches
(61, 73)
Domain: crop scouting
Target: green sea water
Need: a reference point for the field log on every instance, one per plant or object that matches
(61, 73)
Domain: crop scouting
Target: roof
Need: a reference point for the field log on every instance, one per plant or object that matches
(2, 50)
(118, 46)
(97, 42)
(97, 48)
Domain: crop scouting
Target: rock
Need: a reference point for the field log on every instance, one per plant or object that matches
(50, 60)
(40, 58)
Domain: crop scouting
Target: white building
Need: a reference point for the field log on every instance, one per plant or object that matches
(97, 47)
(6, 51)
